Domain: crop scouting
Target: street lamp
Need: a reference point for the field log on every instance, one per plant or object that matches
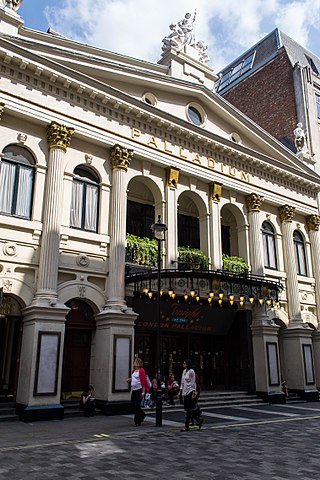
(159, 231)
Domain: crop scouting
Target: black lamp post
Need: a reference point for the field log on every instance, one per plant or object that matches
(159, 231)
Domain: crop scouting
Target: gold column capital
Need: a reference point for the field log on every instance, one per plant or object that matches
(254, 202)
(173, 177)
(1, 109)
(120, 157)
(215, 191)
(286, 213)
(59, 136)
(313, 222)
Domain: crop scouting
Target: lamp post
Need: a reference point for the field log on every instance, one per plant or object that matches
(159, 231)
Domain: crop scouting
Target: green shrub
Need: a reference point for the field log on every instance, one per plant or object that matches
(143, 251)
(234, 264)
(193, 258)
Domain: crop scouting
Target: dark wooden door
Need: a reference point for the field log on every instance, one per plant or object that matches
(76, 366)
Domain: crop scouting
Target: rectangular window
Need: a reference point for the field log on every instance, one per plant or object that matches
(318, 105)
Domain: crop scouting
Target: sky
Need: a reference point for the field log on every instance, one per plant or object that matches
(137, 27)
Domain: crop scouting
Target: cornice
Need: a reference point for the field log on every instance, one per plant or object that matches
(110, 102)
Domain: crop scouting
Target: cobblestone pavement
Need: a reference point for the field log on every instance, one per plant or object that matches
(249, 443)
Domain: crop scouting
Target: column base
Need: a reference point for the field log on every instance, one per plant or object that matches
(272, 397)
(114, 408)
(35, 413)
(311, 395)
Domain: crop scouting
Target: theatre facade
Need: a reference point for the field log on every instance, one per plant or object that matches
(95, 148)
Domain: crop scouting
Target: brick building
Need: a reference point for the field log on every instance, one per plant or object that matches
(277, 84)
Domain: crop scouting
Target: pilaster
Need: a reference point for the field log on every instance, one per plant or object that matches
(294, 310)
(215, 225)
(313, 222)
(254, 203)
(172, 182)
(120, 158)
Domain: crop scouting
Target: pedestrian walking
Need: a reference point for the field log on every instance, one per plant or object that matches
(139, 387)
(188, 391)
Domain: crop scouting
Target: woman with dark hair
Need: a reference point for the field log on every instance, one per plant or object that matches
(188, 390)
(139, 387)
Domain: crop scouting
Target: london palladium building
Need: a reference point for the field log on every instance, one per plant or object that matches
(96, 147)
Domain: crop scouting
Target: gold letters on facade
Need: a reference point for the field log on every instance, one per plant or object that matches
(172, 177)
(254, 202)
(120, 157)
(59, 136)
(286, 213)
(215, 191)
(1, 109)
(313, 222)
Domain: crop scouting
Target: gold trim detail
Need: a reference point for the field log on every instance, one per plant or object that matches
(120, 157)
(173, 177)
(286, 213)
(254, 202)
(215, 191)
(313, 222)
(59, 136)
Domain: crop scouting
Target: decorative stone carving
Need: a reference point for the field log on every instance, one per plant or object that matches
(83, 261)
(254, 202)
(22, 137)
(1, 109)
(300, 140)
(120, 157)
(82, 291)
(7, 285)
(10, 249)
(313, 222)
(215, 191)
(286, 213)
(182, 33)
(173, 177)
(202, 49)
(88, 158)
(12, 4)
(59, 136)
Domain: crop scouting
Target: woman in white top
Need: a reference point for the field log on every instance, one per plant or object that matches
(188, 391)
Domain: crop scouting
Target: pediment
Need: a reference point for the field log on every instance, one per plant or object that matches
(123, 82)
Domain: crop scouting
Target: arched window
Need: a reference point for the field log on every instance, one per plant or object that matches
(300, 253)
(269, 246)
(85, 199)
(16, 182)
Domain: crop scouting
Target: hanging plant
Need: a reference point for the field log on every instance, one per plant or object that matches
(142, 251)
(192, 258)
(234, 264)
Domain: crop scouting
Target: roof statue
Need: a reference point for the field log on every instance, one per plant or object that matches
(183, 34)
(300, 140)
(11, 4)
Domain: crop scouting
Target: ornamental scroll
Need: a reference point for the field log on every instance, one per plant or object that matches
(120, 157)
(286, 213)
(59, 136)
(254, 202)
(313, 222)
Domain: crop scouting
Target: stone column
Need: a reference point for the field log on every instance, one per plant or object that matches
(294, 310)
(171, 220)
(38, 396)
(313, 222)
(120, 158)
(58, 137)
(215, 226)
(115, 323)
(254, 203)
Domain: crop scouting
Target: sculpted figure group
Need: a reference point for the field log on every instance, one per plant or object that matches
(12, 4)
(182, 33)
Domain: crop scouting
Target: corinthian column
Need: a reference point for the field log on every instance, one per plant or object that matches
(286, 215)
(58, 137)
(120, 158)
(313, 222)
(254, 203)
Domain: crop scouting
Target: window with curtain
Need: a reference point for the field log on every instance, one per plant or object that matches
(85, 199)
(300, 253)
(269, 245)
(16, 182)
